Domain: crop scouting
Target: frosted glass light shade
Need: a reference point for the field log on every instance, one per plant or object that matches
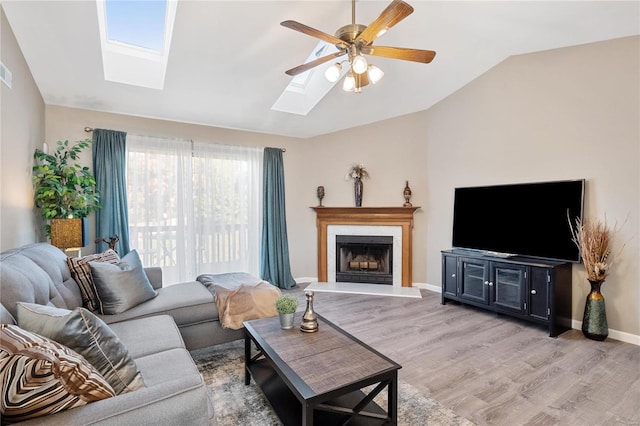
(333, 73)
(359, 64)
(375, 74)
(349, 83)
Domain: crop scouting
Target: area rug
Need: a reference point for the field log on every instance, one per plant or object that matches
(235, 404)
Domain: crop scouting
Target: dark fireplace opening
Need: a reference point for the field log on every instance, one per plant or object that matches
(364, 259)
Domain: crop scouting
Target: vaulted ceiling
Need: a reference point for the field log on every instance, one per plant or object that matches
(227, 58)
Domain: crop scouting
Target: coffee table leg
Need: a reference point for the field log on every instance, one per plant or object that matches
(247, 358)
(392, 408)
(307, 414)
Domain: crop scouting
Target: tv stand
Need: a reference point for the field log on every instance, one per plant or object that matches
(530, 289)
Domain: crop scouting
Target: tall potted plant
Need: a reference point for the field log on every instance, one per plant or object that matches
(63, 188)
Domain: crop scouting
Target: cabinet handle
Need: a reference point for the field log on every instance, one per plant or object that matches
(453, 275)
(486, 283)
(534, 291)
(490, 284)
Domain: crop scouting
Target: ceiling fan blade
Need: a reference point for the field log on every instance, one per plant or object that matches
(304, 67)
(394, 13)
(415, 55)
(297, 26)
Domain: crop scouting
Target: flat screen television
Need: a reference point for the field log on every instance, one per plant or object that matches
(526, 219)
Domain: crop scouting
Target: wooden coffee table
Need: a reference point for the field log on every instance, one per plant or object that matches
(318, 377)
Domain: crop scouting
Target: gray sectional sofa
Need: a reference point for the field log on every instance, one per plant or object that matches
(157, 333)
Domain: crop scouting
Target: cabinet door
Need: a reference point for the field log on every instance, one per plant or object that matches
(474, 282)
(539, 293)
(450, 275)
(508, 286)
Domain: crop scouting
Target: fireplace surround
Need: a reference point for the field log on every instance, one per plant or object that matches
(386, 221)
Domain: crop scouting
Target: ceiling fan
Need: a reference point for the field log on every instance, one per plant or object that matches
(355, 40)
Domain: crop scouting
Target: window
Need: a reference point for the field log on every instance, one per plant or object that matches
(194, 208)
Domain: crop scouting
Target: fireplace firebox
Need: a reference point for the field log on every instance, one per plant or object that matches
(364, 259)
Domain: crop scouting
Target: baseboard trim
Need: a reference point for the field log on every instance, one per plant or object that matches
(304, 280)
(431, 287)
(575, 324)
(613, 334)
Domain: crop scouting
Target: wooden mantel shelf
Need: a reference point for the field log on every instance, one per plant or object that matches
(375, 216)
(365, 213)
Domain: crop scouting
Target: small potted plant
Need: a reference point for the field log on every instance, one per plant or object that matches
(286, 306)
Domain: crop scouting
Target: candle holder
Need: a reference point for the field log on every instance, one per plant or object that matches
(309, 318)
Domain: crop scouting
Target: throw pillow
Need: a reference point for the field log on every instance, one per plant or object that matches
(244, 303)
(39, 376)
(85, 333)
(81, 273)
(121, 285)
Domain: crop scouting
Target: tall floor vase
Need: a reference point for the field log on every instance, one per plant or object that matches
(594, 321)
(357, 190)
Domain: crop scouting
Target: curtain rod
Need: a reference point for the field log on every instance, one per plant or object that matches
(90, 129)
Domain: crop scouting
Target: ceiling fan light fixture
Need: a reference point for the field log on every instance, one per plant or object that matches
(333, 72)
(349, 83)
(375, 74)
(359, 64)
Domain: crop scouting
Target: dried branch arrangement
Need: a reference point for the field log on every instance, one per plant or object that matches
(594, 242)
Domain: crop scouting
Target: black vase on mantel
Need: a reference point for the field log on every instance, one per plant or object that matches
(594, 321)
(357, 190)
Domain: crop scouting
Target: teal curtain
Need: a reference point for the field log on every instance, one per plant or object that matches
(109, 168)
(274, 256)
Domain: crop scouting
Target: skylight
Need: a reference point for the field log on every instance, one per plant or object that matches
(138, 23)
(305, 90)
(135, 37)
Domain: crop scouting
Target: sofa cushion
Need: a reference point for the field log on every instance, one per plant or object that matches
(37, 273)
(188, 303)
(81, 273)
(121, 286)
(40, 376)
(88, 335)
(173, 396)
(145, 336)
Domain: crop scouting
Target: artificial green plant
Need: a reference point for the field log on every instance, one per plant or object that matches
(63, 188)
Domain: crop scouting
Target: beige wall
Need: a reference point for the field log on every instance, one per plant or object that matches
(393, 152)
(563, 114)
(22, 131)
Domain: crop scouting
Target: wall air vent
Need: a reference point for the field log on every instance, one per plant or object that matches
(5, 75)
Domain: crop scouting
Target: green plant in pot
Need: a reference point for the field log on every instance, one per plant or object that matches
(63, 188)
(286, 306)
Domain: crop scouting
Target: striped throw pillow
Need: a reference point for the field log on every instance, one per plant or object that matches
(39, 376)
(81, 273)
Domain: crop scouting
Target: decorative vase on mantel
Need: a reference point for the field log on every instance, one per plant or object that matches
(594, 321)
(357, 191)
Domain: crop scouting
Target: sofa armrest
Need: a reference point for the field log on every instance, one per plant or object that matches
(154, 273)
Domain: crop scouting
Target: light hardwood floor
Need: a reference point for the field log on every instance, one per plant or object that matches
(494, 370)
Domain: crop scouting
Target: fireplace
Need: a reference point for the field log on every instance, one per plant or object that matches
(364, 259)
(394, 222)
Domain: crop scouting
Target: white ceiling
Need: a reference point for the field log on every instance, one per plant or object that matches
(227, 59)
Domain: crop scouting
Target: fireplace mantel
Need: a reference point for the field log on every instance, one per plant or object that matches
(374, 216)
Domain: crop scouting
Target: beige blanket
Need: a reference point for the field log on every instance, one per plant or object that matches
(245, 302)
